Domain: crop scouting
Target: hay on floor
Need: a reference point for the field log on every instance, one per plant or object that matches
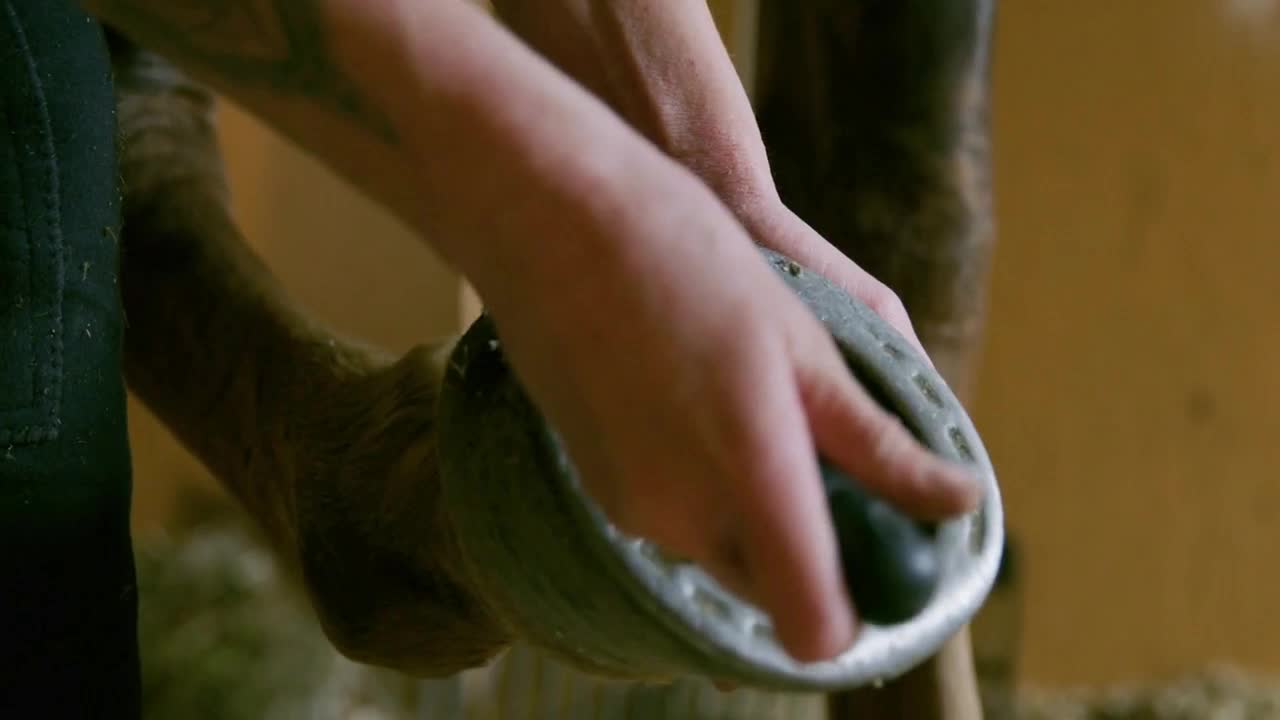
(225, 636)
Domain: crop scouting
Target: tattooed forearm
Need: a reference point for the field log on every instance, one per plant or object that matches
(281, 46)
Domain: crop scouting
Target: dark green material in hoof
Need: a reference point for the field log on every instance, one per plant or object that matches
(890, 562)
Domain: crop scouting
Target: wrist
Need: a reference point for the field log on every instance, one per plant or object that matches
(521, 201)
(736, 169)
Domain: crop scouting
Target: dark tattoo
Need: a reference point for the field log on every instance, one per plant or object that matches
(277, 45)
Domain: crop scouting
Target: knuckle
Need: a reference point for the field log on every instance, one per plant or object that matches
(886, 303)
(888, 441)
(660, 518)
(823, 393)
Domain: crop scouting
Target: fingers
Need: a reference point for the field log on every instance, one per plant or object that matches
(870, 292)
(780, 551)
(872, 444)
(785, 232)
(786, 537)
(729, 568)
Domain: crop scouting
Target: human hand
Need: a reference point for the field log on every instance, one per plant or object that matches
(691, 388)
(663, 67)
(776, 227)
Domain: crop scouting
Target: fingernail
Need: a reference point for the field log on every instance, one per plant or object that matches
(835, 638)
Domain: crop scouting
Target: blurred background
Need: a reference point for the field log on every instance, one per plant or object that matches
(1129, 391)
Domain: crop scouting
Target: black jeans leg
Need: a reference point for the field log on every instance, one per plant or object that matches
(68, 601)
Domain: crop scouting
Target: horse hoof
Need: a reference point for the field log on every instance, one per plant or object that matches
(547, 559)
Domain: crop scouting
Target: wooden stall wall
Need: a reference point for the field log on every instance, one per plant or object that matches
(1130, 392)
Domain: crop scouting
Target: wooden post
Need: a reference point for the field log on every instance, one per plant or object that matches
(875, 116)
